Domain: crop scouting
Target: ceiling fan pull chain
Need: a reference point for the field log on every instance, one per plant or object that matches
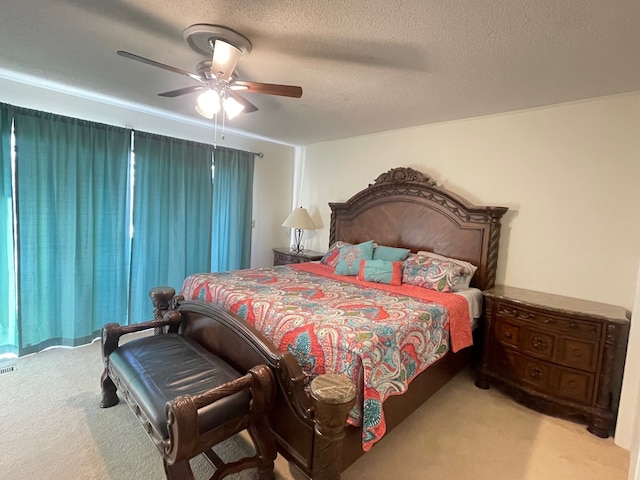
(215, 130)
(223, 115)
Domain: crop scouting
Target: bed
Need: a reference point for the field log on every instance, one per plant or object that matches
(403, 208)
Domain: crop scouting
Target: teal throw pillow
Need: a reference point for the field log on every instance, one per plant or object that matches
(391, 254)
(350, 256)
(381, 271)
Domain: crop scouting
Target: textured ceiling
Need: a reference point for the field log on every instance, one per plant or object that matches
(364, 66)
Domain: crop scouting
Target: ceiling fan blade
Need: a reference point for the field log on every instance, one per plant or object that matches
(225, 59)
(153, 63)
(248, 106)
(182, 91)
(269, 88)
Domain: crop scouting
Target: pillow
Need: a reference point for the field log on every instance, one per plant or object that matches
(331, 257)
(432, 273)
(392, 254)
(465, 281)
(350, 256)
(381, 271)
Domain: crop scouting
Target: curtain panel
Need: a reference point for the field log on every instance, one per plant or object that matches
(171, 216)
(232, 209)
(72, 220)
(99, 221)
(8, 325)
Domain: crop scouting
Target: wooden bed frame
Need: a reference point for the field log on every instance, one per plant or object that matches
(402, 208)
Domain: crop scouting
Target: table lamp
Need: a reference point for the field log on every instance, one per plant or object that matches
(300, 221)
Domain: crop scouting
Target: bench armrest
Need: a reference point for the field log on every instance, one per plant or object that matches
(185, 440)
(163, 298)
(112, 332)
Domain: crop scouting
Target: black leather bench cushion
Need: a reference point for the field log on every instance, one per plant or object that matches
(159, 368)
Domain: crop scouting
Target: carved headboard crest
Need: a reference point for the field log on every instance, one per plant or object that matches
(404, 175)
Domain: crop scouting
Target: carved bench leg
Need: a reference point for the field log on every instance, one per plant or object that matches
(178, 471)
(109, 342)
(109, 396)
(266, 448)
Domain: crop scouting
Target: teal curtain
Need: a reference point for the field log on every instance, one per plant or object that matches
(8, 326)
(232, 209)
(171, 216)
(72, 219)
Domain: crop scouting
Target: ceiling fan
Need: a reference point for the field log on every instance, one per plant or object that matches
(217, 78)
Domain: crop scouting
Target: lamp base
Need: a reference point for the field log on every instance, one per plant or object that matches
(297, 248)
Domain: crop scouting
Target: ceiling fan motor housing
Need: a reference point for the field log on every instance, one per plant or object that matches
(201, 36)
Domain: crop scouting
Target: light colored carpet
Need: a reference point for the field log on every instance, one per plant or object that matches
(52, 428)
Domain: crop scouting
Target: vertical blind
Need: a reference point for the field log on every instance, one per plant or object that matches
(93, 234)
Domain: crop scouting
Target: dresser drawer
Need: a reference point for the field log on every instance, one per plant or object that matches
(285, 259)
(284, 256)
(573, 385)
(506, 362)
(537, 374)
(547, 345)
(538, 344)
(559, 382)
(578, 328)
(507, 333)
(577, 353)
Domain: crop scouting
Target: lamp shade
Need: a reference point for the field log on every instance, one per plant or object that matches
(299, 218)
(232, 107)
(208, 103)
(225, 59)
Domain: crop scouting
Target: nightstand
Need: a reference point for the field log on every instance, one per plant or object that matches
(284, 256)
(559, 355)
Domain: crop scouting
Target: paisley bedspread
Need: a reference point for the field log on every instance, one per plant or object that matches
(380, 336)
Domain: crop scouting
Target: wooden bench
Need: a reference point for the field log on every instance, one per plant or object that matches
(187, 398)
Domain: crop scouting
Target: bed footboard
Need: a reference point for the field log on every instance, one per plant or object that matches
(308, 427)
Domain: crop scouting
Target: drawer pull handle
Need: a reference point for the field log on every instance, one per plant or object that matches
(507, 334)
(526, 316)
(577, 353)
(536, 373)
(573, 384)
(539, 343)
(573, 325)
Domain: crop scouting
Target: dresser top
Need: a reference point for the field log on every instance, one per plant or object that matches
(558, 303)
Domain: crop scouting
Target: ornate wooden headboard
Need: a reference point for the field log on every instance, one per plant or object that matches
(405, 208)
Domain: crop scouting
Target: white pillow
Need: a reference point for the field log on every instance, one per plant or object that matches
(465, 281)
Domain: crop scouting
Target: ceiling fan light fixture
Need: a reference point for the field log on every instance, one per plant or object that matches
(232, 107)
(208, 103)
(225, 59)
(203, 113)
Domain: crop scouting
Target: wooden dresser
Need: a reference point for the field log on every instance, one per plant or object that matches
(284, 256)
(559, 355)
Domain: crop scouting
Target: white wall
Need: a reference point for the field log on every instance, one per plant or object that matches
(628, 427)
(273, 175)
(569, 174)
